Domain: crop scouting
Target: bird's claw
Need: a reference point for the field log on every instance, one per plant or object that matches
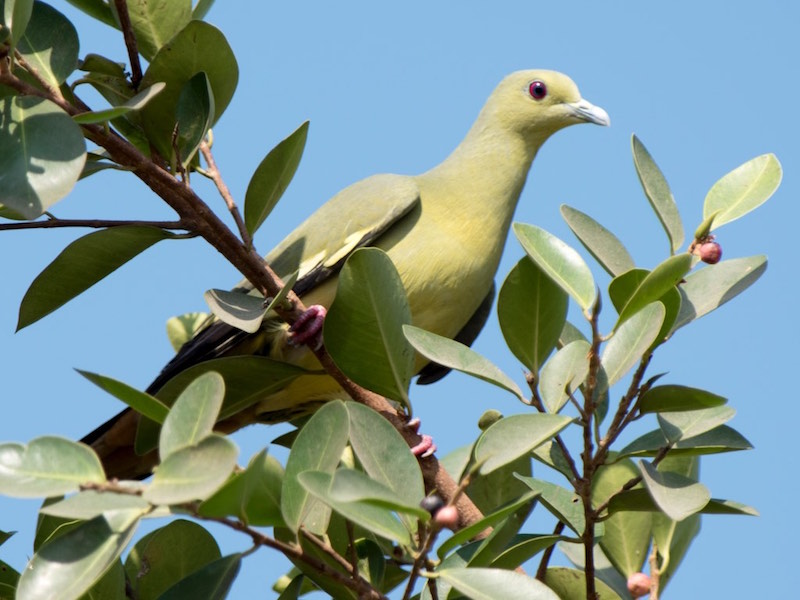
(426, 446)
(307, 328)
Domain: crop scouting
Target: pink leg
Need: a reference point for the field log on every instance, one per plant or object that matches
(426, 447)
(307, 329)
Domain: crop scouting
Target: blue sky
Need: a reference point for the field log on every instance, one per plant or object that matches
(706, 86)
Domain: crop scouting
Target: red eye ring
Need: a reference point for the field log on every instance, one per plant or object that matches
(537, 89)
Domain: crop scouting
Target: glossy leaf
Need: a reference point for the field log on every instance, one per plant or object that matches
(455, 355)
(744, 189)
(237, 309)
(182, 328)
(272, 177)
(137, 102)
(657, 190)
(165, 556)
(714, 285)
(532, 310)
(49, 44)
(484, 584)
(156, 22)
(603, 245)
(47, 466)
(374, 519)
(193, 472)
(363, 330)
(16, 14)
(680, 425)
(193, 415)
(194, 115)
(561, 263)
(141, 402)
(677, 496)
(656, 284)
(563, 503)
(627, 535)
(67, 566)
(83, 263)
(211, 582)
(42, 153)
(669, 398)
(88, 504)
(719, 439)
(563, 374)
(571, 583)
(631, 341)
(318, 447)
(195, 48)
(514, 436)
(377, 444)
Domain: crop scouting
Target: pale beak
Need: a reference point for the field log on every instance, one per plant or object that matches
(588, 112)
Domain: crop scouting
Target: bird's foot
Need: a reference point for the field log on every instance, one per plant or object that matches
(307, 328)
(427, 446)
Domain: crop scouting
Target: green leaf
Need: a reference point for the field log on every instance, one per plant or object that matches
(374, 519)
(514, 436)
(237, 309)
(135, 103)
(455, 355)
(349, 485)
(719, 439)
(680, 425)
(561, 263)
(193, 472)
(604, 570)
(194, 115)
(167, 555)
(88, 504)
(111, 586)
(744, 189)
(631, 341)
(47, 466)
(657, 190)
(182, 328)
(195, 48)
(363, 330)
(49, 44)
(640, 500)
(563, 503)
(571, 583)
(42, 153)
(253, 496)
(67, 566)
(553, 456)
(156, 21)
(384, 454)
(83, 263)
(193, 415)
(603, 245)
(201, 9)
(272, 177)
(626, 538)
(16, 14)
(656, 284)
(318, 447)
(490, 584)
(677, 496)
(141, 402)
(563, 374)
(522, 548)
(669, 398)
(490, 492)
(711, 287)
(532, 310)
(211, 582)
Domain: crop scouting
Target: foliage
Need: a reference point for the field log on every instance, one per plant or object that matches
(345, 509)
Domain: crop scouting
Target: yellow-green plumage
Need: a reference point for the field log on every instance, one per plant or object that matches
(444, 231)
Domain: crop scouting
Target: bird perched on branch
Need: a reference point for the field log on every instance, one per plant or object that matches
(444, 230)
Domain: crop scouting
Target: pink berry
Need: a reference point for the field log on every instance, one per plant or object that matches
(447, 516)
(710, 252)
(639, 585)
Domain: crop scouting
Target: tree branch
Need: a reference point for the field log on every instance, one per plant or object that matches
(90, 223)
(130, 42)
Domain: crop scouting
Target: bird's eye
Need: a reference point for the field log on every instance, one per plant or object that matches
(537, 89)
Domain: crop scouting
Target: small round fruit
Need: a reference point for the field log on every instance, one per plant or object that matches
(639, 584)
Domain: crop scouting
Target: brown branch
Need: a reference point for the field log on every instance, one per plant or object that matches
(331, 552)
(213, 172)
(46, 85)
(130, 42)
(90, 223)
(541, 572)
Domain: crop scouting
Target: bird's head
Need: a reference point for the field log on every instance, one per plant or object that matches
(538, 103)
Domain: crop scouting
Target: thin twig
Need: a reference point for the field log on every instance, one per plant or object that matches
(541, 572)
(91, 223)
(213, 172)
(130, 42)
(331, 552)
(46, 85)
